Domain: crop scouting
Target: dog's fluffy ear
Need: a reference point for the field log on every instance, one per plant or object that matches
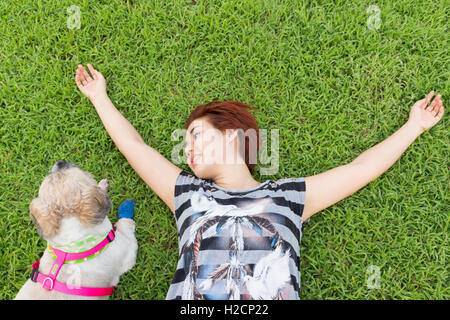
(95, 205)
(46, 218)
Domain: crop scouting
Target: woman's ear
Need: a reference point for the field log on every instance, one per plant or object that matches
(231, 135)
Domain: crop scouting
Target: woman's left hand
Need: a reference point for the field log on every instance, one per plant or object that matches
(425, 116)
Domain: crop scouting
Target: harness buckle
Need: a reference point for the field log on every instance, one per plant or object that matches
(46, 287)
(34, 273)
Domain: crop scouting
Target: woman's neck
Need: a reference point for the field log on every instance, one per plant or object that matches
(235, 177)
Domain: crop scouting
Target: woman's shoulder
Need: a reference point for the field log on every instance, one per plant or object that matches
(188, 181)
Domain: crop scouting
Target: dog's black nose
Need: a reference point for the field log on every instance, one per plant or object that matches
(60, 164)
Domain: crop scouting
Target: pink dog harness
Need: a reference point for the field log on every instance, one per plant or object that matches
(49, 281)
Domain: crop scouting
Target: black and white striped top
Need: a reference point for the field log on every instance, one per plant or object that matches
(238, 244)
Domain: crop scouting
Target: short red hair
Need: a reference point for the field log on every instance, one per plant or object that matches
(229, 115)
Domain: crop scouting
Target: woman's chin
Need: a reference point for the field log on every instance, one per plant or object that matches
(197, 169)
(193, 167)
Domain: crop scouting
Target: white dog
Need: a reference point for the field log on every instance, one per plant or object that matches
(70, 213)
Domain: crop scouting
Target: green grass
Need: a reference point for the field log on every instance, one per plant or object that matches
(315, 71)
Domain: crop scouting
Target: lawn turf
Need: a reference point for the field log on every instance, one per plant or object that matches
(314, 69)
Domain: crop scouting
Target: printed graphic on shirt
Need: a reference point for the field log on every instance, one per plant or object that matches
(268, 278)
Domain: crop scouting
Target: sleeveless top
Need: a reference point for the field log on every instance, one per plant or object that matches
(238, 244)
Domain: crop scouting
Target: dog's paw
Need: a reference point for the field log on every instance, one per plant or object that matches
(126, 209)
(104, 185)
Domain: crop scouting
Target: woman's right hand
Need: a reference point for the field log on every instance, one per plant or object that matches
(90, 87)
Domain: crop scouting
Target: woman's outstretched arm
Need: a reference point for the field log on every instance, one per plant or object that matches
(157, 172)
(329, 187)
(118, 127)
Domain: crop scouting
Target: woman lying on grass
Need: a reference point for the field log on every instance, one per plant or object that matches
(240, 238)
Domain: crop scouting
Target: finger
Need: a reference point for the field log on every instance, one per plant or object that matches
(438, 104)
(439, 109)
(93, 71)
(86, 74)
(422, 103)
(79, 79)
(432, 105)
(428, 98)
(441, 113)
(81, 75)
(78, 74)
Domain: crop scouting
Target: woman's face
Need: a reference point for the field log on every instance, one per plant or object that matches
(207, 148)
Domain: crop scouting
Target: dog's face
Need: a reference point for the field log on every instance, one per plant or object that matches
(69, 191)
